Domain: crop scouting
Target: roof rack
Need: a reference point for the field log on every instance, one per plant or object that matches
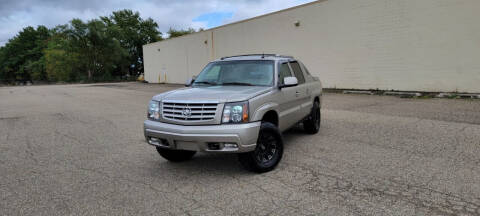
(263, 56)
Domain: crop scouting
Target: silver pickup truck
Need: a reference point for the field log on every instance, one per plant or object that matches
(237, 104)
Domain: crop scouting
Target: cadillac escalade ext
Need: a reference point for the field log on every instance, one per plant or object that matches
(238, 104)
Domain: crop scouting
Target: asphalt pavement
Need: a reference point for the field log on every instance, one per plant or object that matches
(80, 150)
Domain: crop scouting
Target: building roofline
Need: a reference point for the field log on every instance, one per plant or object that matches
(268, 14)
(244, 20)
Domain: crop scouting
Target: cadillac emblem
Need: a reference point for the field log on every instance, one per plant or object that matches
(187, 112)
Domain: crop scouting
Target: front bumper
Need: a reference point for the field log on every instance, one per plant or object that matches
(208, 138)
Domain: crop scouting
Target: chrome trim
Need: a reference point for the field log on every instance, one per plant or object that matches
(185, 112)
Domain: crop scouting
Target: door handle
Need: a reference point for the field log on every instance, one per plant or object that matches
(297, 93)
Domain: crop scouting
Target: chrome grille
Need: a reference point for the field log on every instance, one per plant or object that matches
(189, 111)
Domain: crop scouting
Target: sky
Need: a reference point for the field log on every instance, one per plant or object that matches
(179, 14)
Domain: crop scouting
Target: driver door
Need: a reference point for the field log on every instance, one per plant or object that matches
(288, 99)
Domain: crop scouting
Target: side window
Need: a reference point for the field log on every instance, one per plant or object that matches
(283, 71)
(298, 72)
(306, 70)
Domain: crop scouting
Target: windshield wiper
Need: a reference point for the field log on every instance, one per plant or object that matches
(205, 82)
(237, 83)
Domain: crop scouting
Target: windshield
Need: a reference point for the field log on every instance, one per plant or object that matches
(244, 72)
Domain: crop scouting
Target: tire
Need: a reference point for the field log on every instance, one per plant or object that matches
(175, 155)
(268, 152)
(312, 124)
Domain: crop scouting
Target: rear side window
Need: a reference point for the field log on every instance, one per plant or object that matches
(284, 71)
(306, 70)
(298, 72)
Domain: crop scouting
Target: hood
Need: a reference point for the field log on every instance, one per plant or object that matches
(214, 93)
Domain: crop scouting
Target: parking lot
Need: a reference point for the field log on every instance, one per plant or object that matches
(80, 150)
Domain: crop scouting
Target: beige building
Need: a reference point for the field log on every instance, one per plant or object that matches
(409, 45)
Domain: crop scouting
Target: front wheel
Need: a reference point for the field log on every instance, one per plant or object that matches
(175, 155)
(268, 152)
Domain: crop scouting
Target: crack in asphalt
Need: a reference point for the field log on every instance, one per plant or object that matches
(450, 204)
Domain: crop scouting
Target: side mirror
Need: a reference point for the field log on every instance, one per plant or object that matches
(289, 81)
(189, 81)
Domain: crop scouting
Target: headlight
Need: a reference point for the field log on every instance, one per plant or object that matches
(153, 110)
(235, 112)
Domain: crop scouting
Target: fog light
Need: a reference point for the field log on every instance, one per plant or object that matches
(230, 145)
(214, 146)
(158, 141)
(153, 141)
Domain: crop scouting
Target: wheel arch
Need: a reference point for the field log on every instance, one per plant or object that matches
(271, 116)
(269, 110)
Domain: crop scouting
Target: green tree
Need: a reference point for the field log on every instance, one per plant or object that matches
(21, 54)
(98, 49)
(132, 32)
(62, 61)
(177, 33)
(37, 69)
(3, 72)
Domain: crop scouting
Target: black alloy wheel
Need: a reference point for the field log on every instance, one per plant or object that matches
(312, 123)
(266, 150)
(267, 153)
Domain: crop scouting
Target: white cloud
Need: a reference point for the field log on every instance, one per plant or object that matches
(17, 14)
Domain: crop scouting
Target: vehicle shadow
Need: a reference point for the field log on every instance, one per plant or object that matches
(290, 137)
(224, 164)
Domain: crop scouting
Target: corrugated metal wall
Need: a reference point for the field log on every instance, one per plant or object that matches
(422, 45)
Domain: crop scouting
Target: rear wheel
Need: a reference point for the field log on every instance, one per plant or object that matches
(268, 152)
(312, 123)
(175, 155)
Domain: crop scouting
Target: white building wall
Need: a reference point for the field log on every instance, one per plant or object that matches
(172, 61)
(421, 45)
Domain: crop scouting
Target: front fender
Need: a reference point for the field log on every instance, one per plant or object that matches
(260, 111)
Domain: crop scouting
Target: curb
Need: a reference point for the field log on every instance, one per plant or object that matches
(358, 92)
(404, 94)
(460, 96)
